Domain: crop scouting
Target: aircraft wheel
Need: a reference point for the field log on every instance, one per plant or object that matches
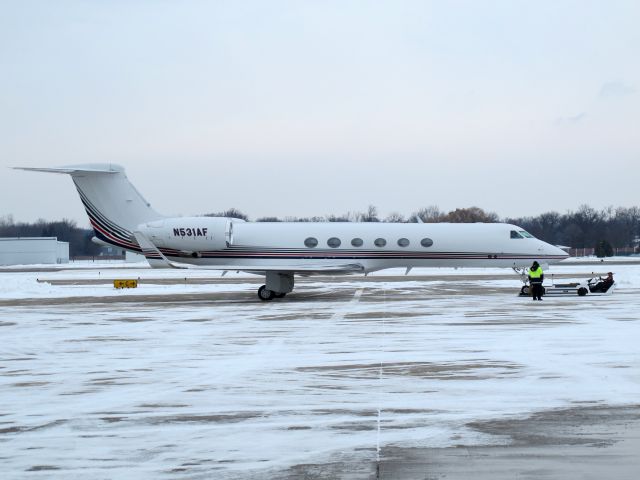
(264, 294)
(524, 291)
(280, 295)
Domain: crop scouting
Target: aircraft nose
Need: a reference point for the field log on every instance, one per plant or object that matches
(555, 251)
(551, 250)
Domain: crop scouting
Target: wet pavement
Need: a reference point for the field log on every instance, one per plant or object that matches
(390, 377)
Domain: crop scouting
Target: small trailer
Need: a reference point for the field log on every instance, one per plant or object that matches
(592, 287)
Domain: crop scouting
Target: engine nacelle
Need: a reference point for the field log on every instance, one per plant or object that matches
(190, 235)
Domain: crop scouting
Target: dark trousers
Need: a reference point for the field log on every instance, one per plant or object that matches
(601, 286)
(536, 290)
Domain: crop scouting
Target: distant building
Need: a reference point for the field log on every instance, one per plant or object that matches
(33, 250)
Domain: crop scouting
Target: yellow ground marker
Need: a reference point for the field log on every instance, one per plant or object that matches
(125, 283)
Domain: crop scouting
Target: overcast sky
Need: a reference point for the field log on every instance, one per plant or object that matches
(308, 108)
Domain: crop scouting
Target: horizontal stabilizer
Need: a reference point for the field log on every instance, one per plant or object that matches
(114, 206)
(69, 170)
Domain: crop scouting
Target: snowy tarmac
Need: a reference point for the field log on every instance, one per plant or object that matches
(440, 373)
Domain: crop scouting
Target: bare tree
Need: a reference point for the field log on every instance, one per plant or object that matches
(394, 217)
(371, 215)
(230, 213)
(6, 220)
(430, 214)
(470, 215)
(337, 218)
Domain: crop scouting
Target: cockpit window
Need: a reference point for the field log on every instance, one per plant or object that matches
(525, 234)
(515, 234)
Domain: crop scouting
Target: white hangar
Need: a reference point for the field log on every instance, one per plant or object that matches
(33, 250)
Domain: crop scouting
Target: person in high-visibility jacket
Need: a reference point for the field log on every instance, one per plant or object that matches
(536, 277)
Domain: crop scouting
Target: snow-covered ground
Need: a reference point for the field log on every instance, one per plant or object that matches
(34, 284)
(204, 381)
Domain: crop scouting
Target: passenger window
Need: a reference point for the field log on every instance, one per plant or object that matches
(380, 242)
(426, 242)
(311, 242)
(333, 242)
(403, 242)
(357, 242)
(515, 234)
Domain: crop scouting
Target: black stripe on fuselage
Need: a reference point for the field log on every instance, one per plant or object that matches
(372, 256)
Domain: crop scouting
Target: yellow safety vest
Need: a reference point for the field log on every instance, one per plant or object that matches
(537, 273)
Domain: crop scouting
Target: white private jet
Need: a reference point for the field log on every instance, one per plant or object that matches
(120, 216)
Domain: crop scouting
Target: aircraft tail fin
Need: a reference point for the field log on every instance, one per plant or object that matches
(114, 206)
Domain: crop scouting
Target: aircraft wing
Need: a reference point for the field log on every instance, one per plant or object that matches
(306, 268)
(157, 260)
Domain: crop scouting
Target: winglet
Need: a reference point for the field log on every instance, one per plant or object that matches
(154, 256)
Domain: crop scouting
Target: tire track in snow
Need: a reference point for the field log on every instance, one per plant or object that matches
(378, 419)
(346, 308)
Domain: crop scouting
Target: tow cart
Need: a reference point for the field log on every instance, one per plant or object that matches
(591, 287)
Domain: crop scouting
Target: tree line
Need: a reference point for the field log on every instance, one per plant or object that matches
(604, 230)
(584, 228)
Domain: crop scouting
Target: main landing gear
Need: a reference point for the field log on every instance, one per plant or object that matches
(266, 295)
(278, 285)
